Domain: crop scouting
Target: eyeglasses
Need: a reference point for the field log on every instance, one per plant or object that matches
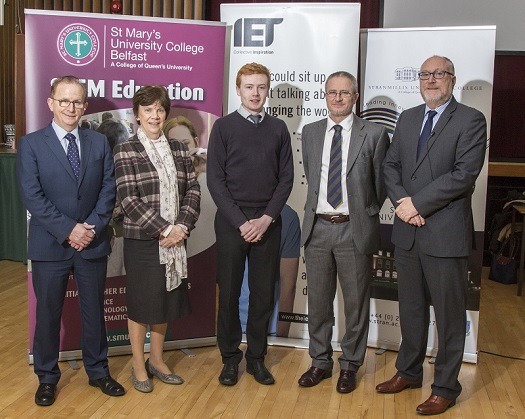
(342, 93)
(438, 74)
(64, 103)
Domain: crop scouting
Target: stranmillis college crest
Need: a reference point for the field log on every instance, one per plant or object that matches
(78, 44)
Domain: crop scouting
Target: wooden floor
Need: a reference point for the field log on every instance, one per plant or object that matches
(494, 388)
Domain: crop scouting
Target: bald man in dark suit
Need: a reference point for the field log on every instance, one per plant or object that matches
(436, 155)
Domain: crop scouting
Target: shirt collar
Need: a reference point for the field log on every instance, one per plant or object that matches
(245, 113)
(345, 123)
(61, 132)
(440, 108)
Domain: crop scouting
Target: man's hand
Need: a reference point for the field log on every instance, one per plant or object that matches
(253, 230)
(406, 210)
(81, 236)
(417, 221)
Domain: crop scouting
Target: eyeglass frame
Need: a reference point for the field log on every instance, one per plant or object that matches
(76, 103)
(433, 74)
(343, 93)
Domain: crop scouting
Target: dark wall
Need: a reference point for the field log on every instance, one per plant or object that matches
(370, 9)
(507, 133)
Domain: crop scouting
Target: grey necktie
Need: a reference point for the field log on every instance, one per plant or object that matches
(255, 119)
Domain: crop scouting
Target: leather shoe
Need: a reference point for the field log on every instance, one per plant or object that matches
(313, 376)
(165, 378)
(45, 395)
(397, 384)
(229, 374)
(260, 372)
(346, 382)
(434, 405)
(108, 386)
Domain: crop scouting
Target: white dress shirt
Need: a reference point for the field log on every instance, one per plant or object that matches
(323, 207)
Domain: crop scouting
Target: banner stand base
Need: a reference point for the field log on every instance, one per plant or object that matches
(126, 349)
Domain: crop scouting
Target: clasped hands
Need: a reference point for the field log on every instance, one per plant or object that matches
(408, 213)
(253, 230)
(81, 236)
(176, 237)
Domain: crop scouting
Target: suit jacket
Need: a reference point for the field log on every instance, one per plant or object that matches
(138, 189)
(364, 179)
(440, 181)
(57, 201)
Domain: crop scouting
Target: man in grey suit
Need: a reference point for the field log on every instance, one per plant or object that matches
(437, 152)
(342, 157)
(66, 181)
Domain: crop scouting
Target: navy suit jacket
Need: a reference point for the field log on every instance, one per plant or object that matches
(440, 181)
(57, 201)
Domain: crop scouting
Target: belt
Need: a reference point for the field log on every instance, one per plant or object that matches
(334, 219)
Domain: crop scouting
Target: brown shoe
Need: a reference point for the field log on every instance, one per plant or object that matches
(313, 376)
(434, 405)
(346, 382)
(397, 384)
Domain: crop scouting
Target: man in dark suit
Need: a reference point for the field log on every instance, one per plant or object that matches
(437, 152)
(250, 176)
(342, 157)
(66, 181)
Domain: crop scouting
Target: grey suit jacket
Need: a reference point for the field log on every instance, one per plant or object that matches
(440, 181)
(364, 179)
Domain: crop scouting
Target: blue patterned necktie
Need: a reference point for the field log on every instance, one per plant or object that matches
(255, 119)
(73, 155)
(425, 134)
(334, 190)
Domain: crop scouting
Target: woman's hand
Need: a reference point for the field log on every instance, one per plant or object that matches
(176, 237)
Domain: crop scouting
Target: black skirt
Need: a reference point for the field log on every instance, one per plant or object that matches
(147, 299)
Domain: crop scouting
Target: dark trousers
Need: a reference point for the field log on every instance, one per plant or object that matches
(50, 283)
(263, 263)
(442, 281)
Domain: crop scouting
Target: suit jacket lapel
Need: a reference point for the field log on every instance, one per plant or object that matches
(56, 147)
(317, 149)
(442, 122)
(357, 138)
(85, 151)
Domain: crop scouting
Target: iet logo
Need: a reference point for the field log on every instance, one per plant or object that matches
(254, 32)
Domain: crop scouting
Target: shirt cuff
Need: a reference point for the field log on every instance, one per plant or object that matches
(167, 232)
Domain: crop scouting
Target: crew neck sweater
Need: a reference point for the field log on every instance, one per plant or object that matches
(249, 166)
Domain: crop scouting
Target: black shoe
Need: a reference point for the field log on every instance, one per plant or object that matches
(45, 395)
(108, 386)
(229, 375)
(260, 372)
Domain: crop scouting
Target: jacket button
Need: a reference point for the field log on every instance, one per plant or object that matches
(413, 178)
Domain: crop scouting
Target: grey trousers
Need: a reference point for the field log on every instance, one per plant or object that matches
(330, 253)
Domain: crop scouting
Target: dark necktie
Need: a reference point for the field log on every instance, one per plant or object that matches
(425, 134)
(255, 119)
(73, 155)
(334, 191)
